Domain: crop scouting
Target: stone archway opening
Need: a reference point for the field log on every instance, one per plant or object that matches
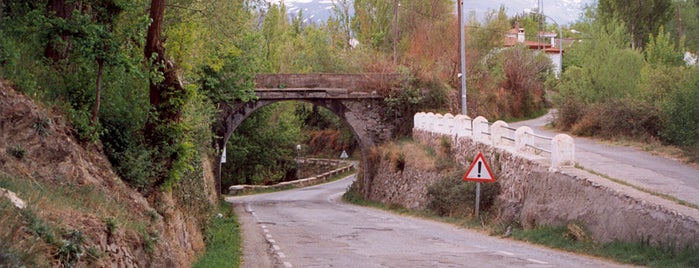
(262, 149)
(357, 99)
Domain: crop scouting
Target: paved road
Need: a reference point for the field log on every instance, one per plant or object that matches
(310, 227)
(633, 166)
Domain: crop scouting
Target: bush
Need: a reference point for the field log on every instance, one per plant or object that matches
(569, 112)
(450, 196)
(17, 151)
(680, 116)
(614, 118)
(629, 118)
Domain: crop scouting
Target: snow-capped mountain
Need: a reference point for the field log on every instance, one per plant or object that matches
(562, 11)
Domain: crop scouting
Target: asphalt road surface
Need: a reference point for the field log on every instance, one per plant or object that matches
(312, 227)
(642, 169)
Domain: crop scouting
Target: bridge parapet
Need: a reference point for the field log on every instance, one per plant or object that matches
(560, 148)
(379, 83)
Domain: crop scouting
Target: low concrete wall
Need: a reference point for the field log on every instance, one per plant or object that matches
(533, 193)
(235, 189)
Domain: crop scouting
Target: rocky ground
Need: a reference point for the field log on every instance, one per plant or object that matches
(78, 211)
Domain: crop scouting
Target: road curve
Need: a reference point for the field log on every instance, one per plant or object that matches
(633, 166)
(311, 227)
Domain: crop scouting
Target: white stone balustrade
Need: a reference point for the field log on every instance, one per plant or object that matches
(497, 131)
(462, 126)
(562, 146)
(481, 129)
(448, 121)
(562, 151)
(522, 138)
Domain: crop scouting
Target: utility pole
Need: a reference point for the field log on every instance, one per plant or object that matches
(462, 57)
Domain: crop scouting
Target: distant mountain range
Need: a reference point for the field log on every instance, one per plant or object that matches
(562, 11)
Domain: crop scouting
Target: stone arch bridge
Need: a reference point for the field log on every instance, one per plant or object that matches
(357, 99)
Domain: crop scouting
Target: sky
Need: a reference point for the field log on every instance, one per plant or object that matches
(561, 11)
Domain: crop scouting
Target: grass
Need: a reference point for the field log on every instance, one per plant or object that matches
(559, 237)
(661, 195)
(639, 253)
(66, 203)
(19, 246)
(223, 241)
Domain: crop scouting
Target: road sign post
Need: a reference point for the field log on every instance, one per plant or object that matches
(479, 171)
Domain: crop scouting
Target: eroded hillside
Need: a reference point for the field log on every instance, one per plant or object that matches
(79, 212)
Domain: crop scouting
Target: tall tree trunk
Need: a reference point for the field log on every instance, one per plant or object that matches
(161, 92)
(64, 10)
(98, 91)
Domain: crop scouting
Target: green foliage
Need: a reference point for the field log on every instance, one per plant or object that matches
(42, 126)
(661, 51)
(223, 241)
(595, 77)
(680, 115)
(17, 151)
(658, 81)
(636, 253)
(262, 149)
(685, 24)
(233, 81)
(484, 37)
(112, 225)
(372, 23)
(642, 18)
(404, 101)
(71, 248)
(452, 197)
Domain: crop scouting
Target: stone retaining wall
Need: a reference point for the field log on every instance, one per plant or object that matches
(533, 193)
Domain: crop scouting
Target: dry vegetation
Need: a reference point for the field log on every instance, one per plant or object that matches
(79, 211)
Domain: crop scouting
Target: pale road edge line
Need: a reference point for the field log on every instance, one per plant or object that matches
(537, 261)
(331, 198)
(505, 253)
(275, 249)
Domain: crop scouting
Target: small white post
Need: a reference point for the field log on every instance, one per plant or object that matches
(522, 138)
(497, 131)
(480, 128)
(562, 151)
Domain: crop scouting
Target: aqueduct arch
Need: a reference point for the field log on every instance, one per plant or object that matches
(356, 99)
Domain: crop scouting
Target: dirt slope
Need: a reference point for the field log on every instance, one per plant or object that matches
(79, 211)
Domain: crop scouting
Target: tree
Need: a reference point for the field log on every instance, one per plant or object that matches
(372, 23)
(641, 17)
(340, 23)
(57, 46)
(524, 77)
(262, 148)
(167, 95)
(684, 24)
(274, 32)
(661, 51)
(595, 75)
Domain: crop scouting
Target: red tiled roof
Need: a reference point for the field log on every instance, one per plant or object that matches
(512, 41)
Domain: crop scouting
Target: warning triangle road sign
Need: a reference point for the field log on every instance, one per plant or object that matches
(479, 171)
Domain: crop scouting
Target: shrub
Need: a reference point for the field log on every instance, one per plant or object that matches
(42, 126)
(17, 151)
(450, 196)
(569, 112)
(628, 117)
(614, 118)
(680, 116)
